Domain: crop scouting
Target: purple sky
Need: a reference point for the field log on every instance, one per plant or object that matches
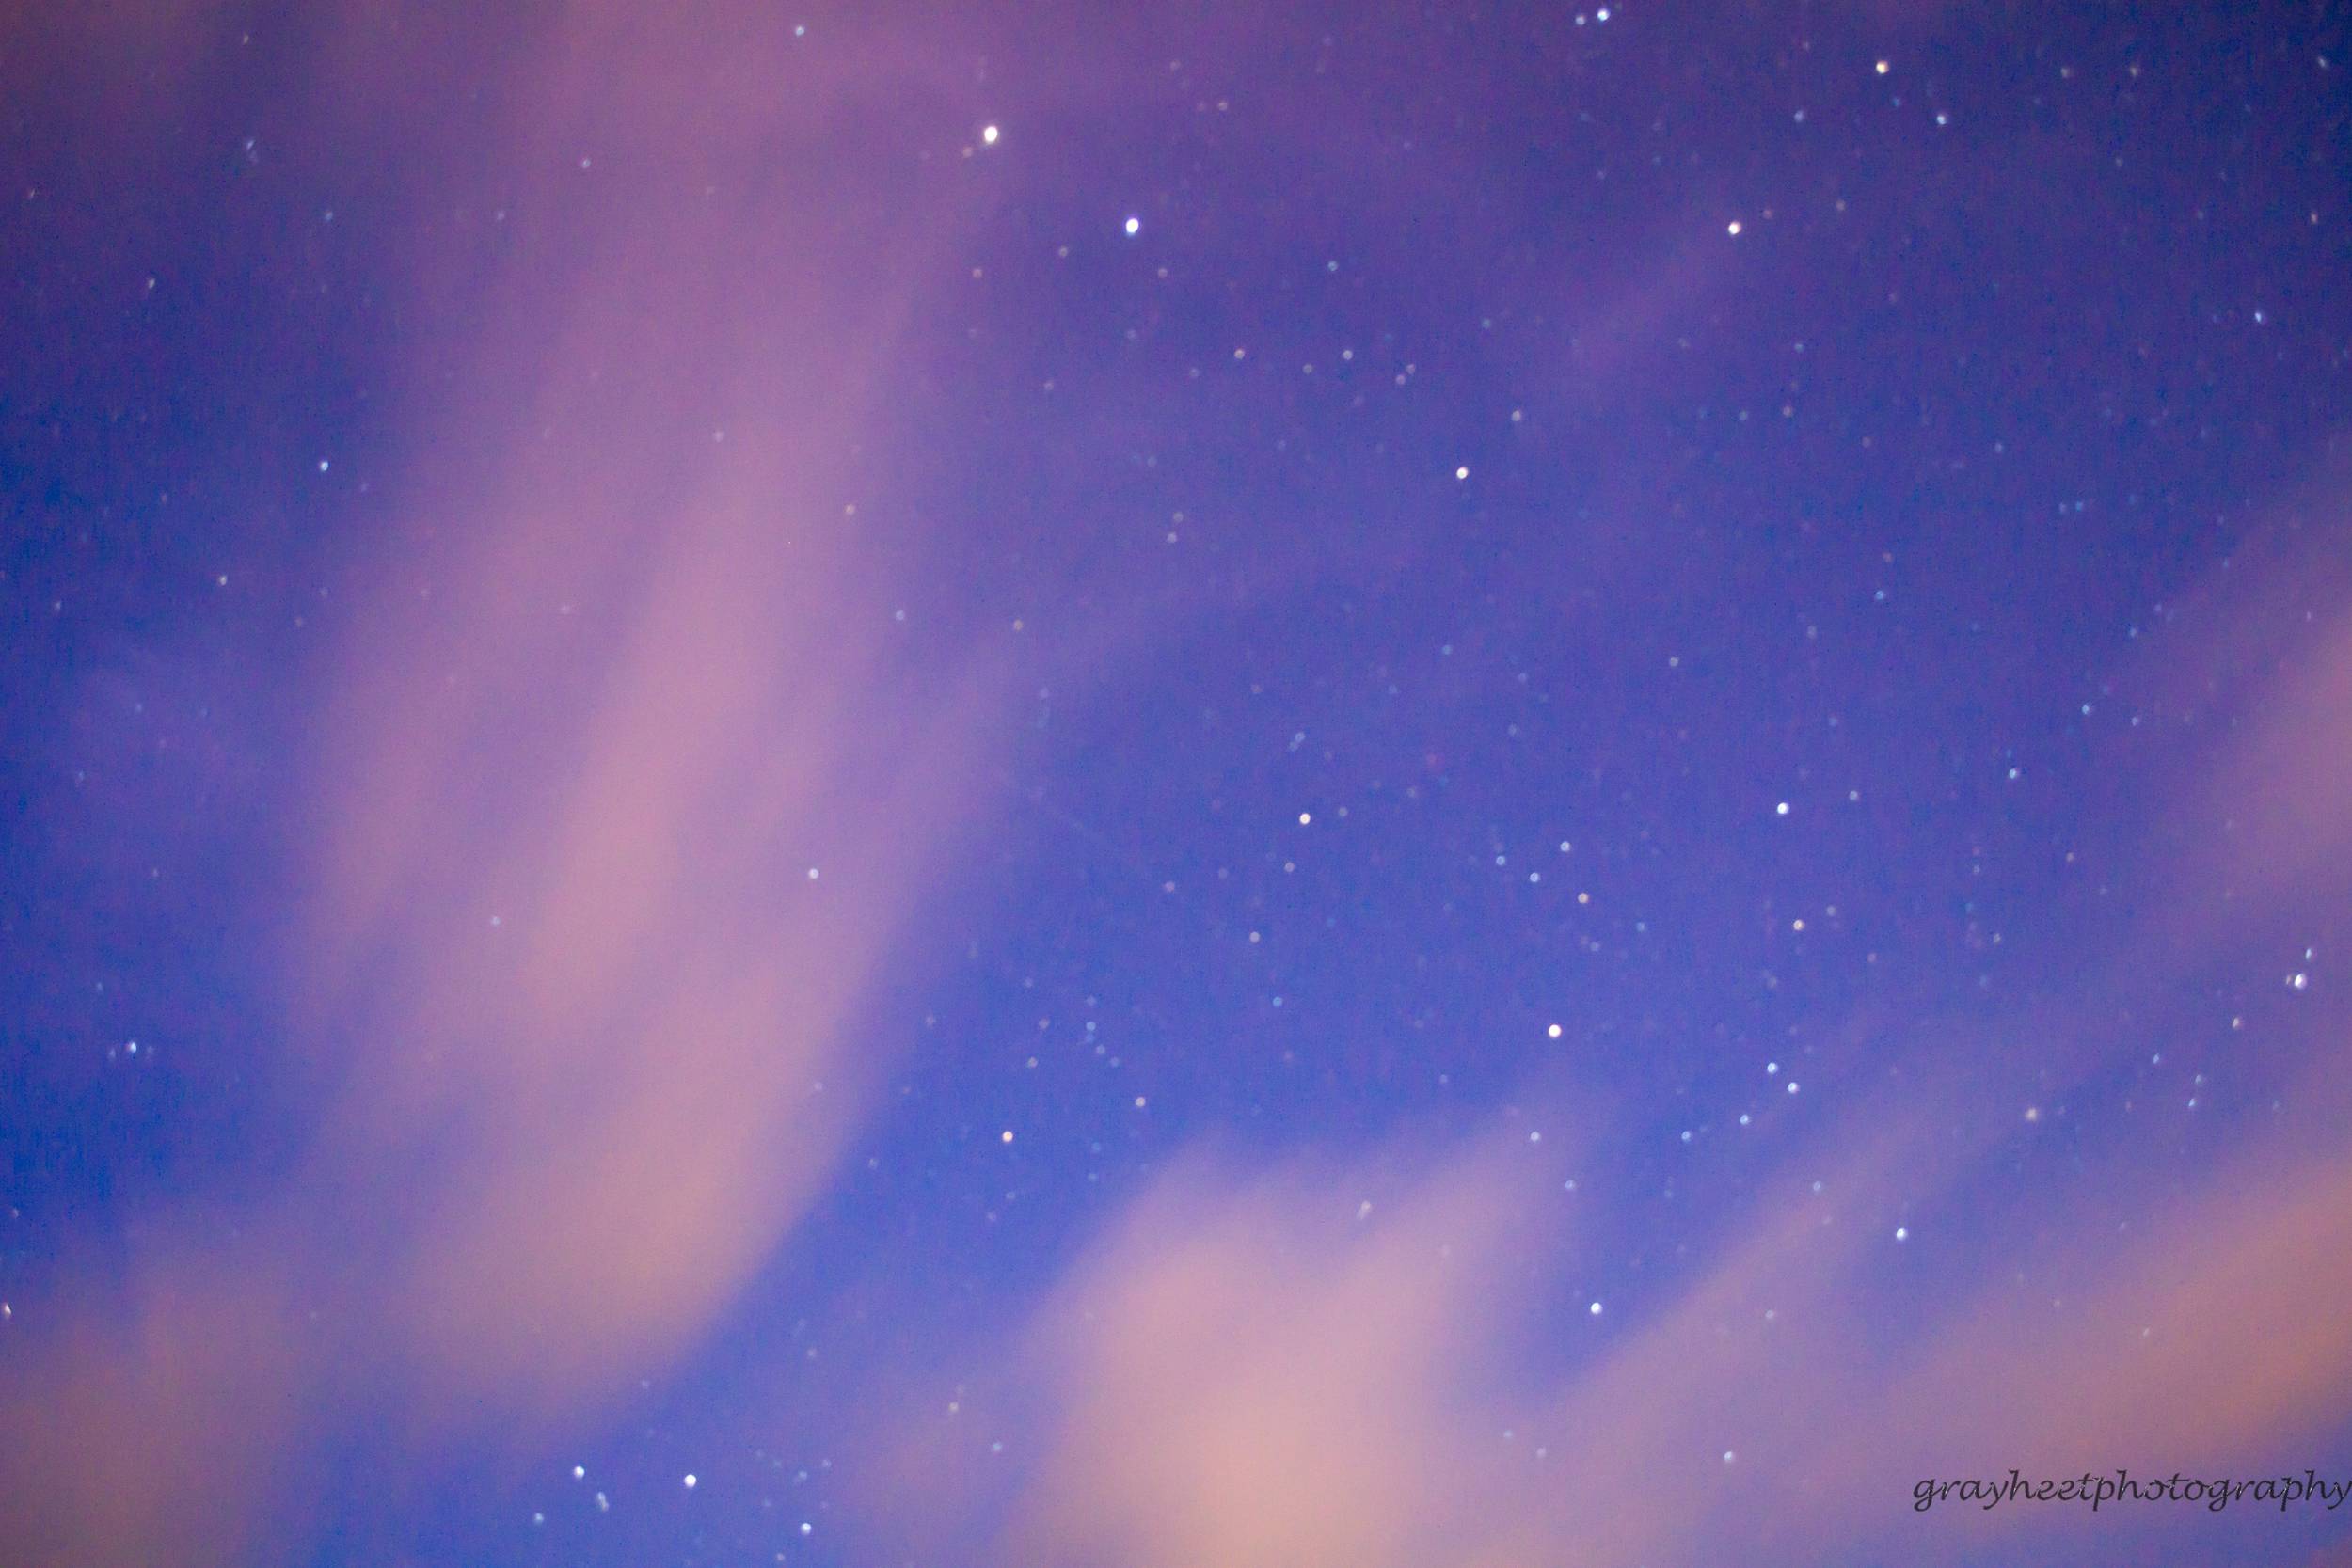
(1331, 786)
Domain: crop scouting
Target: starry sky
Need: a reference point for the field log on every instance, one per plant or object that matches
(1332, 785)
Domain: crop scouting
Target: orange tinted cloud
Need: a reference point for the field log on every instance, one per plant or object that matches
(1260, 1377)
(137, 1427)
(1246, 1372)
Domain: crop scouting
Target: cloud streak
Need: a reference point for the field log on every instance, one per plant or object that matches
(625, 778)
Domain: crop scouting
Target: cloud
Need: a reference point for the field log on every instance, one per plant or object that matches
(1258, 1367)
(1244, 1371)
(622, 780)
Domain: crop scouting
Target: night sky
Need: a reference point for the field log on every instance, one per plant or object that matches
(1193, 785)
